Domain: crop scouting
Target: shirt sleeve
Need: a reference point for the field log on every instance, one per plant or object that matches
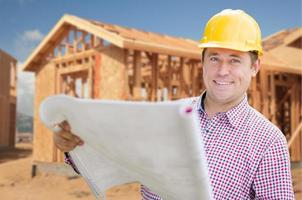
(147, 194)
(68, 160)
(273, 178)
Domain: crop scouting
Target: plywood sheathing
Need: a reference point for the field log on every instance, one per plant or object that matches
(8, 100)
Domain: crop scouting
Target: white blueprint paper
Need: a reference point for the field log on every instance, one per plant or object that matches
(156, 144)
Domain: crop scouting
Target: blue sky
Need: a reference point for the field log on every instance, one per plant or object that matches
(24, 23)
(19, 18)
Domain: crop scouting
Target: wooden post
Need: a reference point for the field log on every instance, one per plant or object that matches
(273, 96)
(137, 74)
(97, 76)
(193, 78)
(83, 42)
(75, 41)
(127, 86)
(181, 78)
(83, 82)
(294, 122)
(92, 41)
(155, 75)
(90, 78)
(67, 45)
(264, 92)
(169, 78)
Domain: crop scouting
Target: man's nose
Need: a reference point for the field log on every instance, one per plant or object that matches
(223, 69)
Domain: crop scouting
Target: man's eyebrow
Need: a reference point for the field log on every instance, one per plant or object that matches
(235, 55)
(212, 54)
(231, 55)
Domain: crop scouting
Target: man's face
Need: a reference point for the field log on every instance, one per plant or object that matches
(227, 74)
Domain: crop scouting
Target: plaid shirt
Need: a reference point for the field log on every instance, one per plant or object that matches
(247, 155)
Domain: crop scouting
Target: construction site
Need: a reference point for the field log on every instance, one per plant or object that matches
(91, 59)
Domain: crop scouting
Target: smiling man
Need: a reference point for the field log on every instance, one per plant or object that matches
(226, 74)
(247, 155)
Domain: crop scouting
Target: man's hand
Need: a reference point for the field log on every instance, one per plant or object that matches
(65, 140)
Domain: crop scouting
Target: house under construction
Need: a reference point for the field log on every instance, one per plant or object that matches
(92, 59)
(8, 91)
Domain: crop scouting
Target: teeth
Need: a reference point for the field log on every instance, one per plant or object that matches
(223, 83)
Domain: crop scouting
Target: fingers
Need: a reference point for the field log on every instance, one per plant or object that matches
(66, 133)
(69, 136)
(65, 126)
(63, 144)
(65, 140)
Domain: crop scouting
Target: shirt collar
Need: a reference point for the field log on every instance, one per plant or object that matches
(200, 105)
(234, 115)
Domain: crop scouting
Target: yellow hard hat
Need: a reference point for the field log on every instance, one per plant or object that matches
(232, 29)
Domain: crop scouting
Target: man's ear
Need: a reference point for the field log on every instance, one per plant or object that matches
(255, 67)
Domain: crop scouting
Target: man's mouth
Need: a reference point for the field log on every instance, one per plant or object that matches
(223, 82)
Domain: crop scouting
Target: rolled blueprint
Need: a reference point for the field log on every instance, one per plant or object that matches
(156, 144)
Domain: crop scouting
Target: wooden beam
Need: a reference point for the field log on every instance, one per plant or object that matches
(294, 135)
(284, 69)
(284, 98)
(75, 56)
(73, 69)
(284, 83)
(162, 49)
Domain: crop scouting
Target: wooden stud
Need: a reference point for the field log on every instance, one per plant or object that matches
(137, 75)
(75, 40)
(272, 95)
(169, 77)
(155, 74)
(181, 78)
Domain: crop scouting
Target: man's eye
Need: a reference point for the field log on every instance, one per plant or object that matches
(235, 61)
(213, 59)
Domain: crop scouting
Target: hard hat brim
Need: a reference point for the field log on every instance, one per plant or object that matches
(229, 46)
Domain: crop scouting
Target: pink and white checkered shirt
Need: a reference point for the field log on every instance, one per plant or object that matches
(247, 155)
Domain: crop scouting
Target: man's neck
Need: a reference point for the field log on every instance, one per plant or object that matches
(211, 107)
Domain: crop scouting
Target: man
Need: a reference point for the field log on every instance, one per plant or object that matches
(247, 155)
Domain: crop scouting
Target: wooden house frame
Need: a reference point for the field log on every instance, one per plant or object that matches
(8, 100)
(284, 85)
(91, 59)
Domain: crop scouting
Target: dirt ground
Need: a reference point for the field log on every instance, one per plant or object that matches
(16, 182)
(297, 182)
